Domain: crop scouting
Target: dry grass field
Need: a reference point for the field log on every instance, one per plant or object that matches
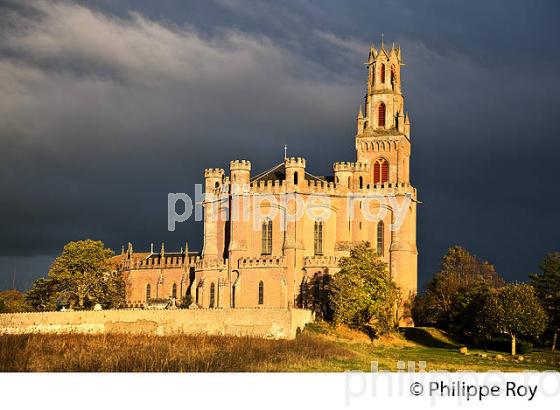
(319, 348)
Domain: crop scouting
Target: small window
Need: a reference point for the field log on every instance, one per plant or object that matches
(349, 182)
(261, 292)
(361, 182)
(318, 238)
(174, 291)
(266, 237)
(212, 295)
(380, 238)
(381, 112)
(296, 178)
(393, 77)
(148, 292)
(217, 184)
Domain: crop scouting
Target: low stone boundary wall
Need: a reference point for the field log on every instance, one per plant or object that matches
(265, 322)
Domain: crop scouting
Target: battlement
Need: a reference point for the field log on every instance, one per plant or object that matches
(210, 264)
(214, 173)
(351, 167)
(321, 261)
(323, 187)
(295, 162)
(389, 189)
(268, 187)
(240, 165)
(261, 262)
(160, 263)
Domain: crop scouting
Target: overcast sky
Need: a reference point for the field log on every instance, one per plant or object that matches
(106, 106)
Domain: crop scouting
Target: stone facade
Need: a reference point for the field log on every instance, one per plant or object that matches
(257, 255)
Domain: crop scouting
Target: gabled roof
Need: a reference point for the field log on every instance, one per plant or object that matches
(278, 173)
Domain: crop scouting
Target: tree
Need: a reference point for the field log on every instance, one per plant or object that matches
(547, 285)
(42, 295)
(460, 272)
(513, 310)
(362, 293)
(12, 301)
(80, 277)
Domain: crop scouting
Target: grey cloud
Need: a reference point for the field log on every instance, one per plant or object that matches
(108, 106)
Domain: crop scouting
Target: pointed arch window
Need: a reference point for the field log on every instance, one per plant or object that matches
(148, 292)
(174, 291)
(261, 293)
(393, 77)
(318, 237)
(380, 171)
(212, 295)
(382, 74)
(266, 237)
(381, 115)
(380, 238)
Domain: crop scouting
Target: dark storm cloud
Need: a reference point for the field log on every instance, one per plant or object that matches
(107, 106)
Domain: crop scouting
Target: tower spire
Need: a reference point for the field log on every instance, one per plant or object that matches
(285, 152)
(382, 39)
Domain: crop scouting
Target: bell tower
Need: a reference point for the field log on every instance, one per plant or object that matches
(383, 126)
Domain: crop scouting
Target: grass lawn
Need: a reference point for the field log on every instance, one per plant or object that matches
(320, 348)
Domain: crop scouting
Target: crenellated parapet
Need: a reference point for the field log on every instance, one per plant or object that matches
(388, 189)
(268, 187)
(296, 162)
(160, 263)
(318, 261)
(240, 165)
(319, 187)
(205, 264)
(351, 167)
(261, 262)
(214, 173)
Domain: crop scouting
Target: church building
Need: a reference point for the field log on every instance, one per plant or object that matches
(269, 235)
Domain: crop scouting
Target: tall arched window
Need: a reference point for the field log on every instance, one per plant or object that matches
(148, 292)
(380, 171)
(212, 295)
(318, 238)
(266, 237)
(261, 292)
(381, 115)
(174, 291)
(393, 77)
(380, 238)
(382, 74)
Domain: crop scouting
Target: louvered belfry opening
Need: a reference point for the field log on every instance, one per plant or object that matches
(381, 113)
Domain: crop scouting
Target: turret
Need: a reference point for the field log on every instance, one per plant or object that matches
(240, 173)
(214, 178)
(295, 173)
